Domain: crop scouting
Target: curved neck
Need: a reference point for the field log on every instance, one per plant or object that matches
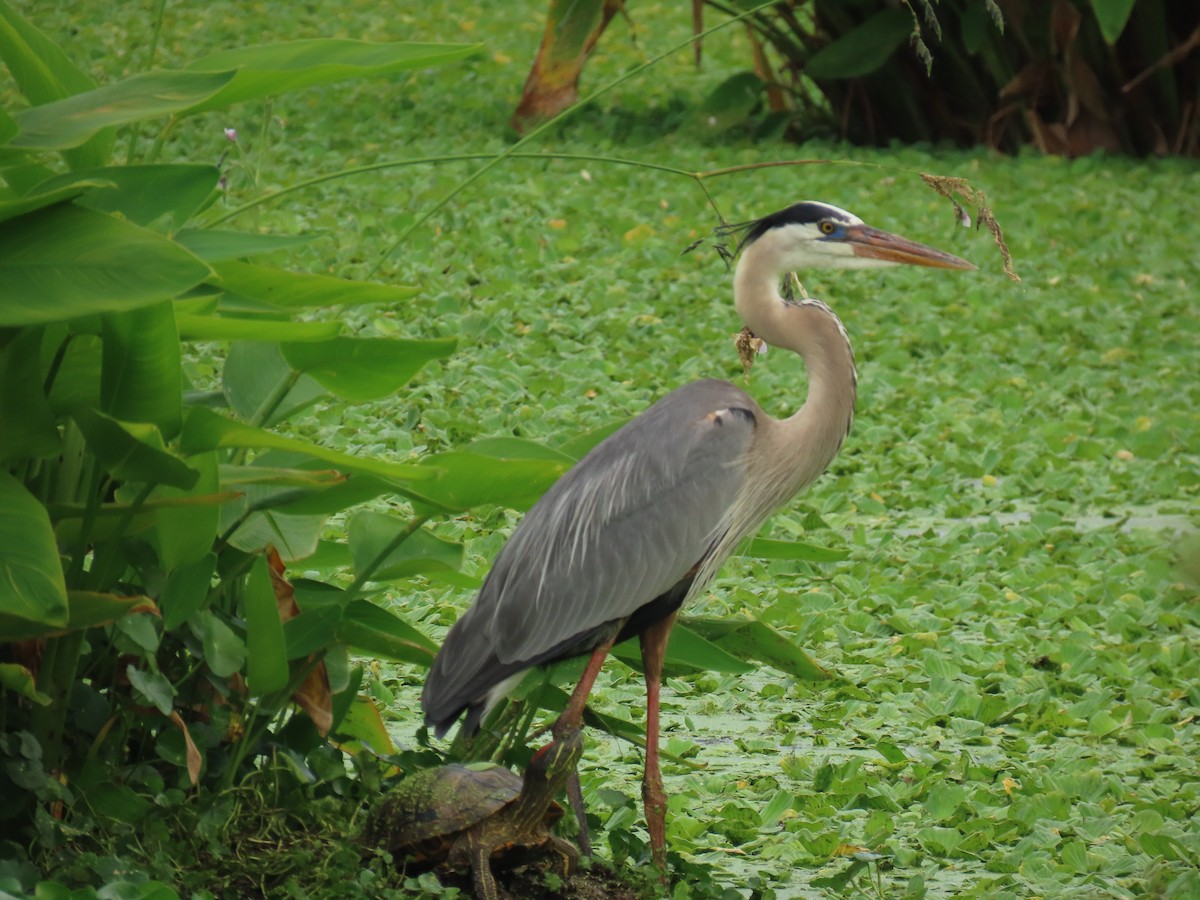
(789, 453)
(810, 329)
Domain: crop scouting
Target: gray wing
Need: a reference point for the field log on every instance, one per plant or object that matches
(624, 525)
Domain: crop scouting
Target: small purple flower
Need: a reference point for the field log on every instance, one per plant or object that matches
(231, 134)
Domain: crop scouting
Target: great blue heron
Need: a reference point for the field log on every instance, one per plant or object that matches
(644, 521)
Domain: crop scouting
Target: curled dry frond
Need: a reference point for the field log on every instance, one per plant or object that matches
(951, 188)
(748, 346)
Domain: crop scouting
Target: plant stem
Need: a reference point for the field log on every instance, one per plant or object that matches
(427, 160)
(364, 576)
(550, 123)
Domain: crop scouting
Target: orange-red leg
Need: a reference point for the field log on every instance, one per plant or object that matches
(571, 718)
(654, 797)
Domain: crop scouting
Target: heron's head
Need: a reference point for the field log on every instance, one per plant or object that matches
(813, 235)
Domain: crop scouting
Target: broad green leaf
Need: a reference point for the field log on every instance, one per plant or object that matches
(751, 639)
(65, 262)
(377, 632)
(363, 723)
(272, 69)
(67, 187)
(133, 451)
(86, 609)
(184, 531)
(186, 590)
(312, 630)
(330, 556)
(206, 430)
(294, 290)
(686, 652)
(365, 368)
(19, 680)
(539, 688)
(236, 476)
(420, 552)
(764, 548)
(141, 376)
(45, 74)
(731, 102)
(466, 480)
(27, 428)
(167, 193)
(1163, 845)
(518, 448)
(1112, 16)
(266, 650)
(578, 446)
(213, 245)
(117, 801)
(224, 651)
(70, 122)
(32, 577)
(260, 385)
(944, 799)
(153, 687)
(295, 537)
(778, 805)
(227, 328)
(314, 492)
(863, 49)
(77, 381)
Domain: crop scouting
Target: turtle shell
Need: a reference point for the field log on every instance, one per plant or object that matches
(424, 812)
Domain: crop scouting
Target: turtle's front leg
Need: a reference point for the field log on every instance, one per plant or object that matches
(481, 874)
(475, 850)
(567, 854)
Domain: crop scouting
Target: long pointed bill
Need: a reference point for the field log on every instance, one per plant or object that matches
(872, 243)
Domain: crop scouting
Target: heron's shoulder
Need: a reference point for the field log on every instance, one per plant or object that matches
(698, 399)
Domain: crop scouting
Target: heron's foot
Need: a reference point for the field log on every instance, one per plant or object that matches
(654, 798)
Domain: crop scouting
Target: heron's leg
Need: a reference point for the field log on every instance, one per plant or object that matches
(654, 798)
(571, 718)
(575, 795)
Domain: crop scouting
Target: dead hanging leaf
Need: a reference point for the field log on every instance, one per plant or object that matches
(1064, 26)
(285, 595)
(748, 346)
(313, 696)
(950, 187)
(194, 760)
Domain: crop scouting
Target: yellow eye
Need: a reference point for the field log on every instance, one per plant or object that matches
(828, 227)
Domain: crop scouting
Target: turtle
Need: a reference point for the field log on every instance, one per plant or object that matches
(463, 815)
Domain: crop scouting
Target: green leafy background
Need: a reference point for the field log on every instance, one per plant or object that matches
(1015, 684)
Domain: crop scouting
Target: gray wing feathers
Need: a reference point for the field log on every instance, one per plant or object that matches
(624, 525)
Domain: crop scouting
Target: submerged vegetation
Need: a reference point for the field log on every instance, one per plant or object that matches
(988, 574)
